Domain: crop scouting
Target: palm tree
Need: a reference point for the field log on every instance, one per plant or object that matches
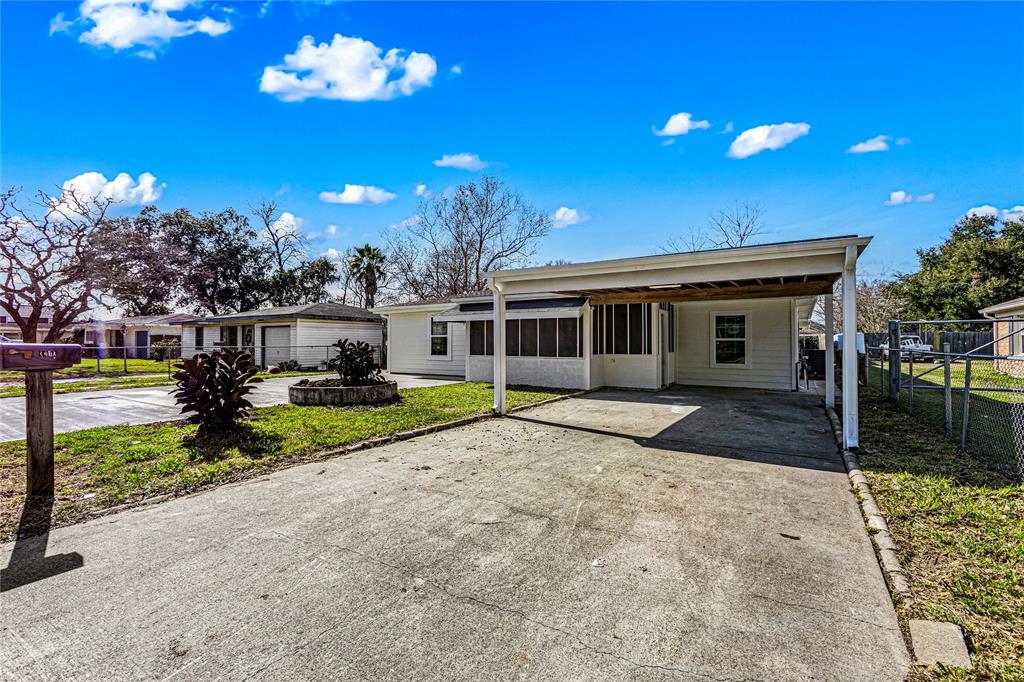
(368, 269)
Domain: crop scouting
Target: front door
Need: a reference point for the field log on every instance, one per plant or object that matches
(142, 345)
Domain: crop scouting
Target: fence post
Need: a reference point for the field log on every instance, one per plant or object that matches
(967, 402)
(948, 392)
(124, 354)
(894, 360)
(910, 398)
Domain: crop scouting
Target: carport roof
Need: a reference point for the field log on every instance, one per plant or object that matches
(800, 268)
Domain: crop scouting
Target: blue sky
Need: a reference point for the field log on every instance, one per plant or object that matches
(560, 100)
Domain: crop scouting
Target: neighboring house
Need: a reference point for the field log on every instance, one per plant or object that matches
(304, 333)
(1009, 323)
(722, 317)
(9, 328)
(134, 334)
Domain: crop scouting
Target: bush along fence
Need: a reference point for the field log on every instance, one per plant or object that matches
(976, 397)
(161, 359)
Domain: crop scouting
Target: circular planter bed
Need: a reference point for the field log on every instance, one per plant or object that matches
(332, 392)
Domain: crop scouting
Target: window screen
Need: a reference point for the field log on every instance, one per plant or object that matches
(567, 338)
(548, 337)
(438, 338)
(477, 344)
(199, 337)
(528, 338)
(636, 328)
(512, 337)
(620, 318)
(730, 339)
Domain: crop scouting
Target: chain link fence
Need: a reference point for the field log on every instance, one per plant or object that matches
(159, 360)
(975, 398)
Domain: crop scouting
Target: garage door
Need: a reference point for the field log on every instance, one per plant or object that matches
(275, 345)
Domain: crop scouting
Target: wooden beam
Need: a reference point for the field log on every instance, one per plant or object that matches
(717, 294)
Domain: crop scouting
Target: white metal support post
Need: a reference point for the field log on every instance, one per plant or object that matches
(586, 319)
(830, 352)
(851, 429)
(499, 350)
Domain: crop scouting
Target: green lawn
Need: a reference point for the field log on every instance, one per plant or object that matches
(112, 465)
(959, 528)
(11, 390)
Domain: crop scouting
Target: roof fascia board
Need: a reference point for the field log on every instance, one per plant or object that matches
(676, 260)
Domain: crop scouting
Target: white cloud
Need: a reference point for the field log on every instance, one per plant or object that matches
(727, 129)
(898, 197)
(121, 189)
(333, 254)
(422, 191)
(456, 70)
(349, 69)
(331, 230)
(680, 124)
(405, 222)
(565, 216)
(1014, 212)
(124, 24)
(878, 143)
(773, 137)
(900, 141)
(358, 194)
(288, 223)
(470, 162)
(668, 142)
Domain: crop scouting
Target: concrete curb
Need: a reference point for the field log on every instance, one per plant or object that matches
(344, 450)
(881, 538)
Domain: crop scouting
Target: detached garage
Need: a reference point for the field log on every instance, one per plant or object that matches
(303, 333)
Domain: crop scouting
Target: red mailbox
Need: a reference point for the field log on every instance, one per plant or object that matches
(39, 356)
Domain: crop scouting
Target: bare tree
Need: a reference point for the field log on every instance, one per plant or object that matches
(351, 289)
(480, 227)
(875, 305)
(728, 228)
(282, 235)
(47, 261)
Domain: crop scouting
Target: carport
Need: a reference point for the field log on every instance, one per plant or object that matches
(797, 271)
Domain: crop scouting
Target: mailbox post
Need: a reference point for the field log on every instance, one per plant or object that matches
(38, 360)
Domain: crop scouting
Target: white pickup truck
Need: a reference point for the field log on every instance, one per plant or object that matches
(911, 346)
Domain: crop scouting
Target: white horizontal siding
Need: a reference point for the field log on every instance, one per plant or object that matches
(771, 345)
(313, 338)
(409, 346)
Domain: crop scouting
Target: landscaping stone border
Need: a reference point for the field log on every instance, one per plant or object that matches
(878, 528)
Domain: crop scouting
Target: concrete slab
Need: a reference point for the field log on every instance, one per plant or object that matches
(936, 642)
(76, 411)
(684, 535)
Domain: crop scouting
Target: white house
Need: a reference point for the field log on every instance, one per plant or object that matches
(9, 329)
(721, 317)
(135, 335)
(304, 333)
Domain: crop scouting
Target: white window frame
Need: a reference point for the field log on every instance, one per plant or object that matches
(430, 340)
(747, 339)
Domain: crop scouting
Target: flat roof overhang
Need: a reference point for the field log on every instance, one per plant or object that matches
(805, 268)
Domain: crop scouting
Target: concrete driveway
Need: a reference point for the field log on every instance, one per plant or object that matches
(76, 411)
(687, 535)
